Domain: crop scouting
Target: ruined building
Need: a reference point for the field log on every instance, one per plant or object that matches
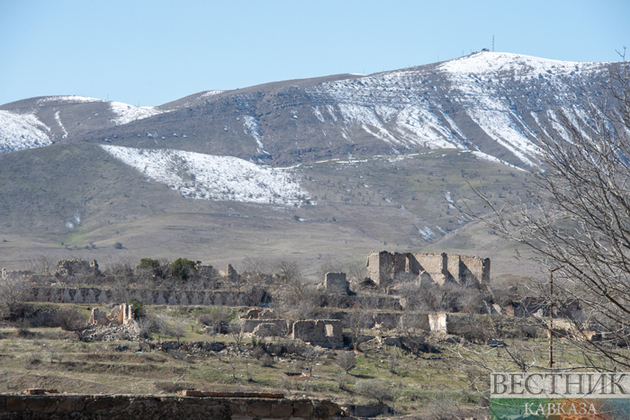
(384, 267)
(120, 315)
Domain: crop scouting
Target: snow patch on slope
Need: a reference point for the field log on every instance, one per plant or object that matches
(389, 107)
(68, 98)
(21, 131)
(489, 158)
(254, 129)
(218, 178)
(210, 93)
(126, 113)
(410, 107)
(521, 66)
(58, 119)
(478, 79)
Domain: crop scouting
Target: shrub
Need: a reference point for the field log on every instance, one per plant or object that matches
(149, 263)
(138, 309)
(153, 266)
(23, 329)
(118, 245)
(70, 319)
(183, 269)
(265, 361)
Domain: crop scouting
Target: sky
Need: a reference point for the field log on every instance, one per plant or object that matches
(150, 52)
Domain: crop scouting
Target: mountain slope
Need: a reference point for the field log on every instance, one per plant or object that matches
(77, 200)
(497, 103)
(315, 170)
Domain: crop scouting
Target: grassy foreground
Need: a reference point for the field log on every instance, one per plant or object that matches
(450, 377)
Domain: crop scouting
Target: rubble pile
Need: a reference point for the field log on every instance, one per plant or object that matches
(111, 332)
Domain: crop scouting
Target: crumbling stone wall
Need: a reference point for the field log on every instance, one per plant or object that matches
(282, 326)
(319, 332)
(384, 267)
(119, 315)
(146, 296)
(475, 270)
(336, 283)
(379, 267)
(438, 322)
(75, 267)
(124, 407)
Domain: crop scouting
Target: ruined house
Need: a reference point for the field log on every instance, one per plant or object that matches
(119, 315)
(75, 267)
(385, 267)
(336, 283)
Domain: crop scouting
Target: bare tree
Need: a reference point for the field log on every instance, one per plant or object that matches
(13, 290)
(375, 389)
(357, 272)
(578, 221)
(357, 320)
(216, 318)
(294, 292)
(236, 330)
(346, 360)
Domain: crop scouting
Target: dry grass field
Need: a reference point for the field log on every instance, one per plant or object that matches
(449, 375)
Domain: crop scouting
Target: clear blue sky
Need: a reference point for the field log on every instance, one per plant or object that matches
(152, 52)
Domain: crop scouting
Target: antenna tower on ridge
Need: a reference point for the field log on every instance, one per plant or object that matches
(492, 43)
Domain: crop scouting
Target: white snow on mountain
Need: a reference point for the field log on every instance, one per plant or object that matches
(392, 107)
(427, 234)
(210, 93)
(477, 78)
(521, 66)
(67, 98)
(58, 119)
(218, 178)
(126, 113)
(253, 127)
(405, 107)
(21, 131)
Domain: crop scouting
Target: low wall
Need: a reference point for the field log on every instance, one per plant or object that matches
(147, 297)
(249, 325)
(115, 407)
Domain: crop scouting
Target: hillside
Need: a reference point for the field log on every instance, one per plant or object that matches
(316, 170)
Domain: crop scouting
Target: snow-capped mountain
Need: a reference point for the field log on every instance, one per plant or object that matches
(47, 120)
(495, 103)
(331, 167)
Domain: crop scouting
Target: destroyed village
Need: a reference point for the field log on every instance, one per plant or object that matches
(374, 341)
(246, 210)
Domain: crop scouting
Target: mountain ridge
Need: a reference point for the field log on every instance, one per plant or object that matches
(320, 169)
(446, 104)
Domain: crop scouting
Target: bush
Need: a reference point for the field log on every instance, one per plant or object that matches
(118, 245)
(183, 269)
(152, 266)
(138, 309)
(265, 361)
(70, 319)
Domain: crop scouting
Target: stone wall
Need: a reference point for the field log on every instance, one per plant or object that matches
(336, 283)
(115, 407)
(385, 267)
(379, 266)
(147, 297)
(282, 326)
(319, 332)
(438, 323)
